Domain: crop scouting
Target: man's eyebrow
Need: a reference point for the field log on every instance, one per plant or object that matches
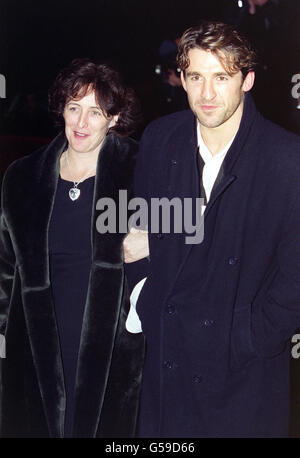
(194, 73)
(221, 74)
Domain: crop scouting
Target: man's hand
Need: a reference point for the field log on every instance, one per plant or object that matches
(135, 245)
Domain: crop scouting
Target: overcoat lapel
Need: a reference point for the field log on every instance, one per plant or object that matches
(103, 299)
(34, 272)
(179, 170)
(184, 146)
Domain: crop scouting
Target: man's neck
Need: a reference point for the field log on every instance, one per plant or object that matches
(216, 138)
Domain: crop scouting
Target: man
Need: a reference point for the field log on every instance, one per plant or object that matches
(218, 315)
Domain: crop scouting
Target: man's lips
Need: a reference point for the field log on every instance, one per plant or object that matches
(208, 107)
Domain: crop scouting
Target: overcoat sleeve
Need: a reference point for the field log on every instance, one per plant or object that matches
(136, 271)
(276, 308)
(7, 267)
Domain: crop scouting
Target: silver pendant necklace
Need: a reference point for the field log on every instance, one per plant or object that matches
(74, 192)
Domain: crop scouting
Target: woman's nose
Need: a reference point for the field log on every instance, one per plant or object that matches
(82, 120)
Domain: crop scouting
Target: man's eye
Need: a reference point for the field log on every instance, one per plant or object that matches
(222, 78)
(195, 78)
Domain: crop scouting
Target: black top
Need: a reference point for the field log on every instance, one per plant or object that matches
(70, 262)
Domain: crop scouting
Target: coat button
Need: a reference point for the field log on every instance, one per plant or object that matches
(197, 379)
(159, 236)
(174, 162)
(208, 322)
(232, 261)
(168, 364)
(171, 309)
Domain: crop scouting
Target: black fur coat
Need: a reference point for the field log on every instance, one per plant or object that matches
(110, 358)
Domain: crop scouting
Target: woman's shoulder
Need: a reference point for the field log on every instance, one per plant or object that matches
(124, 143)
(126, 148)
(27, 166)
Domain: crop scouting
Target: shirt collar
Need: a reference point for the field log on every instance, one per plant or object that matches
(204, 151)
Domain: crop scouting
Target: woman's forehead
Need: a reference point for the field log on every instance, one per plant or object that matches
(86, 97)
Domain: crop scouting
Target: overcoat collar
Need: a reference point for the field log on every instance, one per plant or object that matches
(41, 184)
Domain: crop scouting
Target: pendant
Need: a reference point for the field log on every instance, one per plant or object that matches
(74, 193)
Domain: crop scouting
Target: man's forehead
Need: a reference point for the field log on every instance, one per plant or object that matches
(206, 58)
(200, 54)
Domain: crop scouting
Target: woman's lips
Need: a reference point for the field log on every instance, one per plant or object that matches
(80, 135)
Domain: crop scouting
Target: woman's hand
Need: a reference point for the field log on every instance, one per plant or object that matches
(135, 245)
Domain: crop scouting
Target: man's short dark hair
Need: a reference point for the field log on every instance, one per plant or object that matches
(113, 97)
(232, 49)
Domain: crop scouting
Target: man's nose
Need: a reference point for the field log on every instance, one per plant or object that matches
(208, 91)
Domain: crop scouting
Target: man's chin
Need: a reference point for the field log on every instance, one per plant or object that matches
(209, 123)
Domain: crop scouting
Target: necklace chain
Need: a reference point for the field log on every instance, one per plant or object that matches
(76, 183)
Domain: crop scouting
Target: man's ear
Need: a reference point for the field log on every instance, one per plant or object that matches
(183, 80)
(248, 82)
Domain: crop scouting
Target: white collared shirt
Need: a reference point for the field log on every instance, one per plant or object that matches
(212, 163)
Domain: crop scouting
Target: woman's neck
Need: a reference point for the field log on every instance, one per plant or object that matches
(74, 165)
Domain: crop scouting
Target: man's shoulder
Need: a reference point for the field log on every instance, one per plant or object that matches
(280, 142)
(170, 123)
(279, 132)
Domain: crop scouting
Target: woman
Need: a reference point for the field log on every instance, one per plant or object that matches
(71, 368)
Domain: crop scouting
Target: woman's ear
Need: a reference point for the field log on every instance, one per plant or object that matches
(113, 121)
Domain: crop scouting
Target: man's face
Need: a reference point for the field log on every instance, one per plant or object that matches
(214, 96)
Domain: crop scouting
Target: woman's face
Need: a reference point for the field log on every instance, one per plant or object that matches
(86, 124)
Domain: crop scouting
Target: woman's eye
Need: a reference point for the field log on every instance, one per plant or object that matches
(96, 113)
(72, 108)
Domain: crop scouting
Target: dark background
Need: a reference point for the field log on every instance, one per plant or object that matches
(38, 38)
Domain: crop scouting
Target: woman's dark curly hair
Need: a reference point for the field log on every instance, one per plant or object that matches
(113, 97)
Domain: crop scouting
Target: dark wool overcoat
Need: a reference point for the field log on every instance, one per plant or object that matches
(218, 316)
(109, 364)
